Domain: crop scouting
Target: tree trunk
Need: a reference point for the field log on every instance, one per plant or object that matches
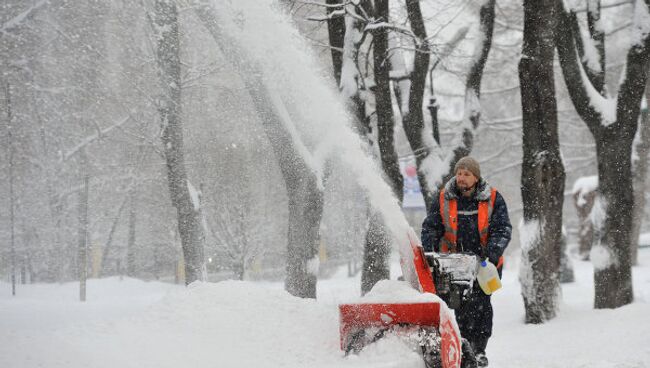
(612, 269)
(168, 59)
(566, 266)
(336, 33)
(542, 176)
(413, 118)
(384, 105)
(111, 233)
(240, 271)
(305, 212)
(584, 203)
(597, 77)
(639, 180)
(472, 115)
(375, 254)
(351, 82)
(377, 249)
(54, 206)
(82, 209)
(130, 246)
(12, 199)
(305, 197)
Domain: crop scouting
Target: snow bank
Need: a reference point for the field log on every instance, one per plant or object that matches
(137, 324)
(234, 324)
(579, 336)
(393, 291)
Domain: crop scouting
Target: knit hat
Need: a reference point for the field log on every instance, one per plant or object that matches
(469, 164)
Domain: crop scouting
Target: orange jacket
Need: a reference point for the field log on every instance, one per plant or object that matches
(449, 214)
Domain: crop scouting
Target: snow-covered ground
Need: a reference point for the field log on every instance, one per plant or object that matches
(131, 323)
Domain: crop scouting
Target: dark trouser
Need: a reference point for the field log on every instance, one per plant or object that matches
(474, 319)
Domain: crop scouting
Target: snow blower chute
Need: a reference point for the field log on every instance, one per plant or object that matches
(427, 322)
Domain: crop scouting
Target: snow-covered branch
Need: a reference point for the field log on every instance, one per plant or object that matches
(20, 18)
(91, 138)
(594, 108)
(377, 26)
(613, 4)
(334, 14)
(464, 140)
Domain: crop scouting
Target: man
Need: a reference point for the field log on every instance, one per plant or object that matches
(470, 216)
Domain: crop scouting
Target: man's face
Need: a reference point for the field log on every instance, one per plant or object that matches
(465, 180)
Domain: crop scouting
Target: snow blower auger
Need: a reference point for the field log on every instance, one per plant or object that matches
(425, 322)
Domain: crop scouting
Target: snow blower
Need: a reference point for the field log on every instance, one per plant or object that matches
(425, 322)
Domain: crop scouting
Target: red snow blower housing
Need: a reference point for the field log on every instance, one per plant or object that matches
(427, 323)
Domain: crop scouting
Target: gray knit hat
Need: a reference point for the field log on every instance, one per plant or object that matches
(469, 164)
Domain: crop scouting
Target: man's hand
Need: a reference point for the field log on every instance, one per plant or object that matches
(493, 255)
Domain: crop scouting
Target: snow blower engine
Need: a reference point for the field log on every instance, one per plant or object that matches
(454, 275)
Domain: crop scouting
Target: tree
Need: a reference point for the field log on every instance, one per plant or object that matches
(305, 197)
(336, 34)
(383, 100)
(346, 35)
(131, 266)
(165, 22)
(365, 18)
(413, 115)
(640, 164)
(60, 67)
(377, 248)
(584, 198)
(12, 219)
(472, 115)
(613, 122)
(542, 174)
(230, 226)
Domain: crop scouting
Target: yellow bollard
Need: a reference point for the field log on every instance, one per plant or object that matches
(180, 271)
(96, 260)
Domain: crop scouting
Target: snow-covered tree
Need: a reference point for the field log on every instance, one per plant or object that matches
(367, 22)
(640, 172)
(542, 174)
(183, 195)
(585, 196)
(613, 121)
(302, 185)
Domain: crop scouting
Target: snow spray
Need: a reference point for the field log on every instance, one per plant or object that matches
(311, 109)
